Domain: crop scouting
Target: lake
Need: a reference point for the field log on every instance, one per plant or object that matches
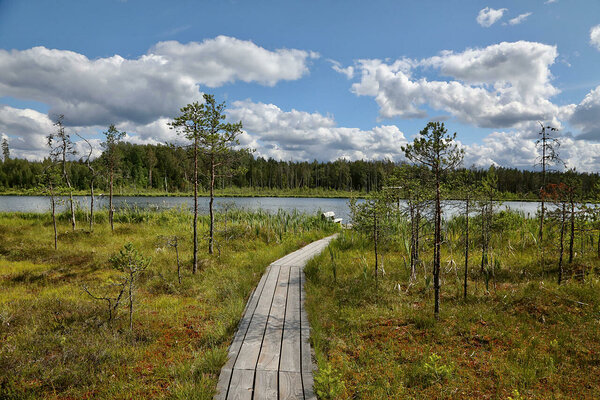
(270, 204)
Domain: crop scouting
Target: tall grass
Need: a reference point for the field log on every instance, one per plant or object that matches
(516, 331)
(54, 339)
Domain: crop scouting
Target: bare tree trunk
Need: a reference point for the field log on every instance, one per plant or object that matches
(110, 202)
(210, 205)
(177, 255)
(466, 246)
(418, 232)
(68, 182)
(482, 238)
(413, 241)
(561, 246)
(92, 205)
(195, 223)
(572, 238)
(436, 254)
(72, 207)
(150, 177)
(375, 242)
(53, 203)
(541, 233)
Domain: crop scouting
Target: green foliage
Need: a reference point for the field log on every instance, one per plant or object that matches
(525, 332)
(516, 396)
(263, 177)
(55, 341)
(129, 260)
(328, 383)
(428, 371)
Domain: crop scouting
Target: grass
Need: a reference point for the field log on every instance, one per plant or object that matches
(54, 339)
(524, 337)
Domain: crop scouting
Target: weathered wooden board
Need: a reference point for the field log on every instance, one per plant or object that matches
(250, 349)
(290, 386)
(270, 355)
(223, 384)
(265, 385)
(308, 383)
(271, 346)
(290, 347)
(242, 384)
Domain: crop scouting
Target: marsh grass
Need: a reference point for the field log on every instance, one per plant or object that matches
(524, 334)
(54, 339)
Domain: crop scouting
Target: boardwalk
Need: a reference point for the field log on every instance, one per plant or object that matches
(270, 357)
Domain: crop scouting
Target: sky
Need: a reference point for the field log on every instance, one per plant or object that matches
(308, 79)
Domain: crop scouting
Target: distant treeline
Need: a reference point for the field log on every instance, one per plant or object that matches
(168, 168)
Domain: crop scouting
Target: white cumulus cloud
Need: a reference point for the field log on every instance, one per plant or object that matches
(299, 135)
(489, 16)
(586, 116)
(517, 149)
(116, 89)
(518, 19)
(595, 36)
(502, 85)
(347, 71)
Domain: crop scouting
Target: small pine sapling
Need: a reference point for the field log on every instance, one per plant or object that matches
(131, 262)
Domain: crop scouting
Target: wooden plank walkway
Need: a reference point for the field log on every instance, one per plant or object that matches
(270, 357)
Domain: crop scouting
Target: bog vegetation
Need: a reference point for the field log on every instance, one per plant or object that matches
(409, 302)
(107, 316)
(483, 304)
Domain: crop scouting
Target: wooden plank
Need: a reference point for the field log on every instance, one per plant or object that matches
(238, 339)
(223, 384)
(290, 386)
(273, 335)
(250, 348)
(299, 256)
(290, 347)
(265, 385)
(303, 314)
(293, 257)
(305, 352)
(271, 346)
(242, 382)
(308, 384)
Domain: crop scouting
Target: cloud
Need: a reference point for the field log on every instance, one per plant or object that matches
(586, 116)
(115, 89)
(502, 85)
(517, 149)
(337, 67)
(595, 36)
(299, 135)
(517, 20)
(26, 130)
(488, 16)
(550, 1)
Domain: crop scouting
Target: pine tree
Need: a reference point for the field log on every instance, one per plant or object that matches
(437, 150)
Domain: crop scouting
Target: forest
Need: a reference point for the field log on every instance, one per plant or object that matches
(168, 169)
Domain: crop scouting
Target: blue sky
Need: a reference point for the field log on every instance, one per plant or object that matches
(489, 78)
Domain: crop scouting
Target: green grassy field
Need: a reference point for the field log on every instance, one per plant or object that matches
(54, 339)
(520, 336)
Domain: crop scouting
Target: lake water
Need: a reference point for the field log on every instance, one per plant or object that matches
(270, 204)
